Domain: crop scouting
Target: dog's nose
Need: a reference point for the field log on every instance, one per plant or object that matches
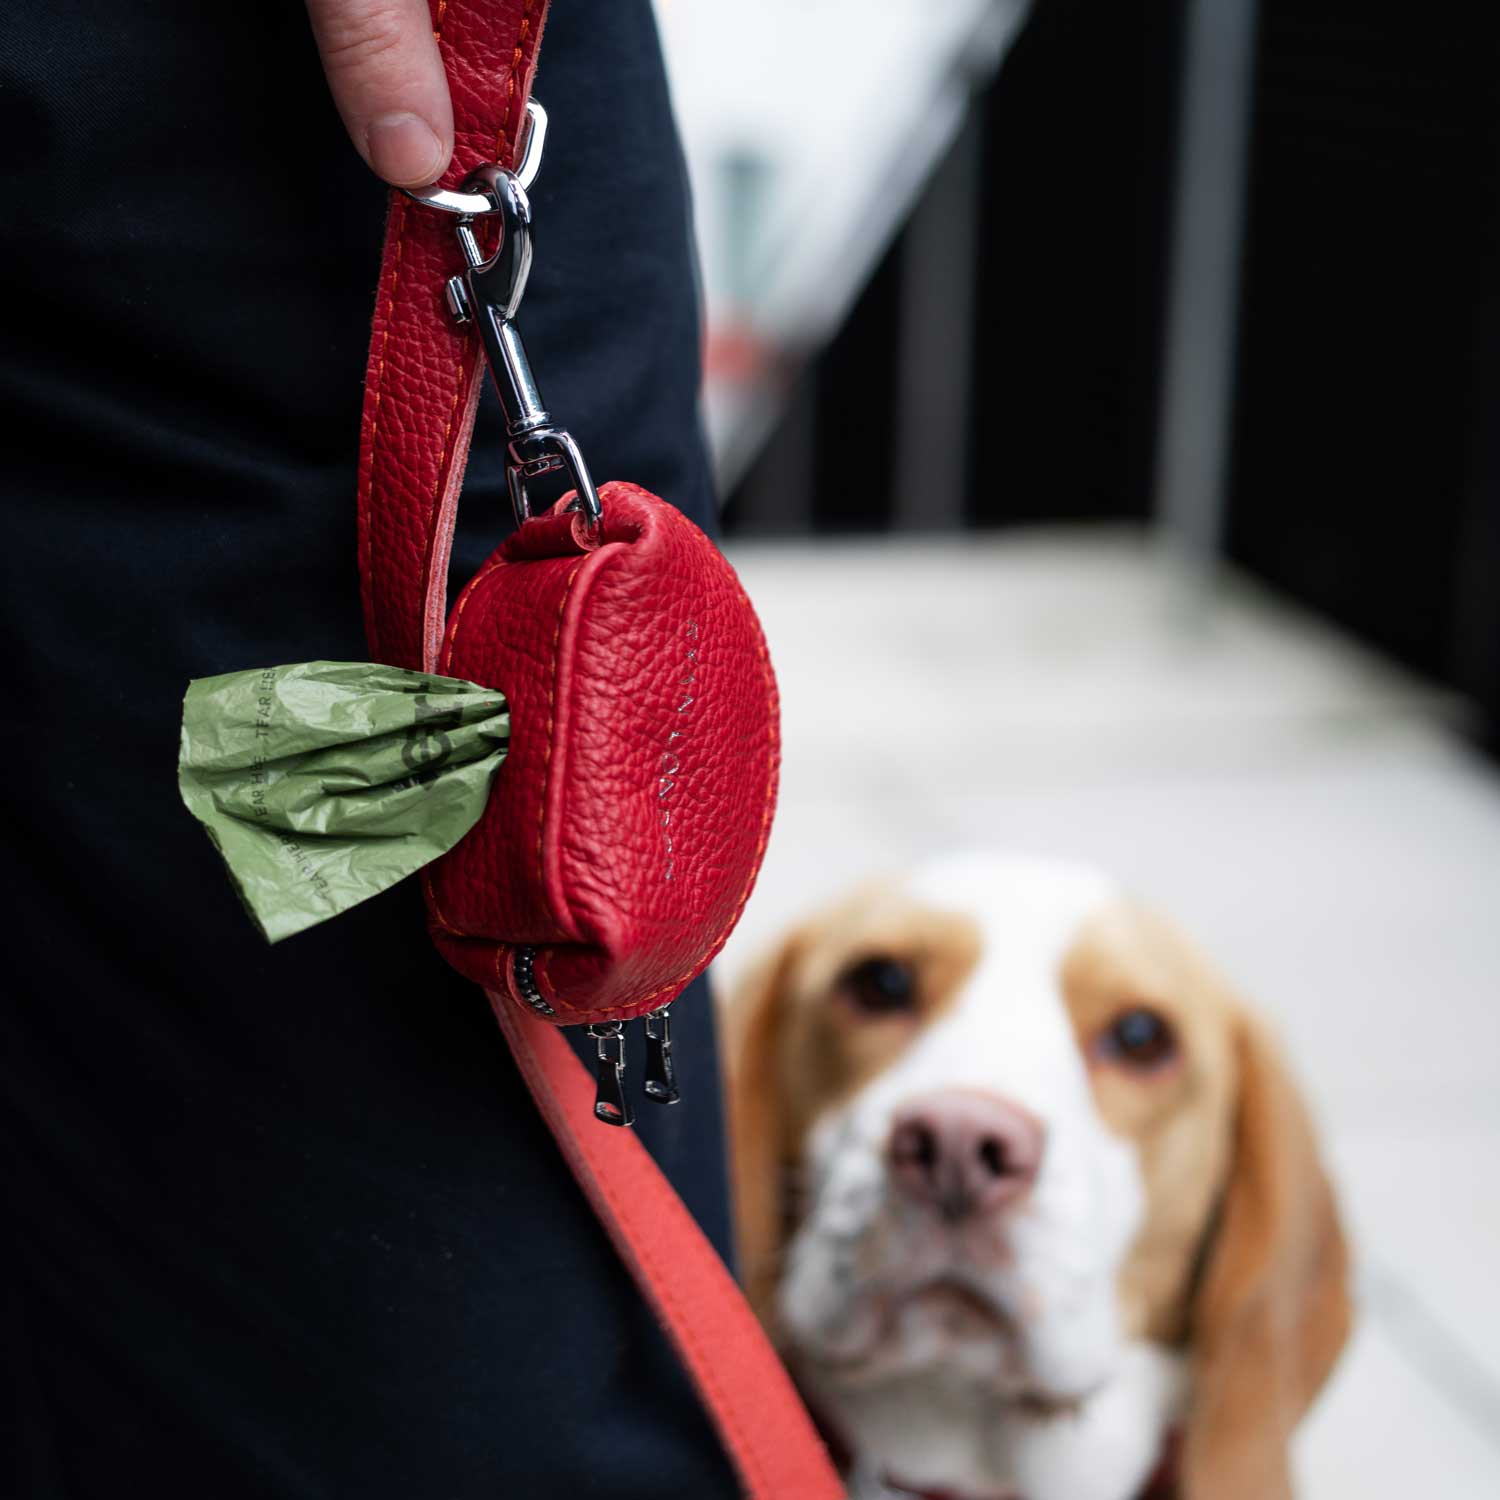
(965, 1154)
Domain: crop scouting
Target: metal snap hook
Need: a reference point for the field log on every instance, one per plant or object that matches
(489, 294)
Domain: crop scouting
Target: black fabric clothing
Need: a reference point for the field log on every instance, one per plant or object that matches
(284, 1222)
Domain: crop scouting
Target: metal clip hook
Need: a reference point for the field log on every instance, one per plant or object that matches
(489, 294)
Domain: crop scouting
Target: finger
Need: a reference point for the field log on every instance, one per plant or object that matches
(382, 64)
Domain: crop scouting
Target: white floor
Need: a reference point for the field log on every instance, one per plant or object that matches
(1303, 808)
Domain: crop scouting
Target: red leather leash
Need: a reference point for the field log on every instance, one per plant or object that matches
(760, 1419)
(424, 374)
(422, 389)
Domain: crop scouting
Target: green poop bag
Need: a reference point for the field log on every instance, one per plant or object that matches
(325, 782)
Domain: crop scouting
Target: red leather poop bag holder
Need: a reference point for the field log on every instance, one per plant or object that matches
(624, 832)
(619, 847)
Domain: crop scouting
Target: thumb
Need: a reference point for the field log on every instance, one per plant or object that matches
(382, 64)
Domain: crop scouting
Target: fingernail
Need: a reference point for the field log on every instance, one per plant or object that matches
(404, 150)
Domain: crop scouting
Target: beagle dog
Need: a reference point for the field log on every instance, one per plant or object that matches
(1027, 1197)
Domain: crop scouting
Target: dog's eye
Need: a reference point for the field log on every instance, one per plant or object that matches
(879, 987)
(1139, 1038)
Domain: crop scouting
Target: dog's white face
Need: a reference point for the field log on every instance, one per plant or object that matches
(968, 1208)
(1006, 1103)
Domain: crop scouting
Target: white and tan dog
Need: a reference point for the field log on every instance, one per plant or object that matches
(1026, 1196)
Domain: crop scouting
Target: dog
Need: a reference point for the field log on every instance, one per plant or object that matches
(1027, 1197)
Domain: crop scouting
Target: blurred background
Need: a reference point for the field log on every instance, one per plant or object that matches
(1103, 396)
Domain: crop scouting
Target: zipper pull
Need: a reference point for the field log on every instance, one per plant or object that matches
(661, 1076)
(610, 1103)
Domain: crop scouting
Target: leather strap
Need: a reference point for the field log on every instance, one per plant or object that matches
(749, 1397)
(422, 387)
(424, 375)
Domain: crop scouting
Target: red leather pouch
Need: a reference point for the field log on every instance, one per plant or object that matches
(626, 828)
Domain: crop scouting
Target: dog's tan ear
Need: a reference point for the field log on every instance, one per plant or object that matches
(758, 1145)
(1271, 1310)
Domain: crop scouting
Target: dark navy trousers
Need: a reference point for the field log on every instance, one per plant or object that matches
(283, 1222)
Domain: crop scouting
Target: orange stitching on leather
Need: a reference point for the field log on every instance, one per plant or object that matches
(469, 352)
(541, 819)
(767, 815)
(463, 600)
(443, 663)
(468, 357)
(538, 973)
(503, 138)
(385, 334)
(390, 308)
(661, 1280)
(435, 912)
(437, 487)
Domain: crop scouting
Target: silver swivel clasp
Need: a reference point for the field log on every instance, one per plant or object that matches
(488, 294)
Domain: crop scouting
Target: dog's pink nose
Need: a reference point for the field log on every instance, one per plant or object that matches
(965, 1154)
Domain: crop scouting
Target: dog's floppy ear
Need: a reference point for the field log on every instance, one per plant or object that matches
(758, 1145)
(1271, 1310)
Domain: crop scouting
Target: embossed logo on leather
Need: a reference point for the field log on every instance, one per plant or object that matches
(670, 764)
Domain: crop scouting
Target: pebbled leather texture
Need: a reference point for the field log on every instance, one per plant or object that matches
(625, 831)
(424, 376)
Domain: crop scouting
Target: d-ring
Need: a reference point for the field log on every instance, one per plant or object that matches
(475, 205)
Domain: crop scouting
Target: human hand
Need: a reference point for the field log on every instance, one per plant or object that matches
(382, 64)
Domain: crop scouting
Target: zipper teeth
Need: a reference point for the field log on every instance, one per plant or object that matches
(523, 968)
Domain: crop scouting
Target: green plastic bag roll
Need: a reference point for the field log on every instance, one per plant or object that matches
(325, 782)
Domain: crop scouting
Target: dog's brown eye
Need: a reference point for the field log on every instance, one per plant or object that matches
(879, 987)
(1139, 1038)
